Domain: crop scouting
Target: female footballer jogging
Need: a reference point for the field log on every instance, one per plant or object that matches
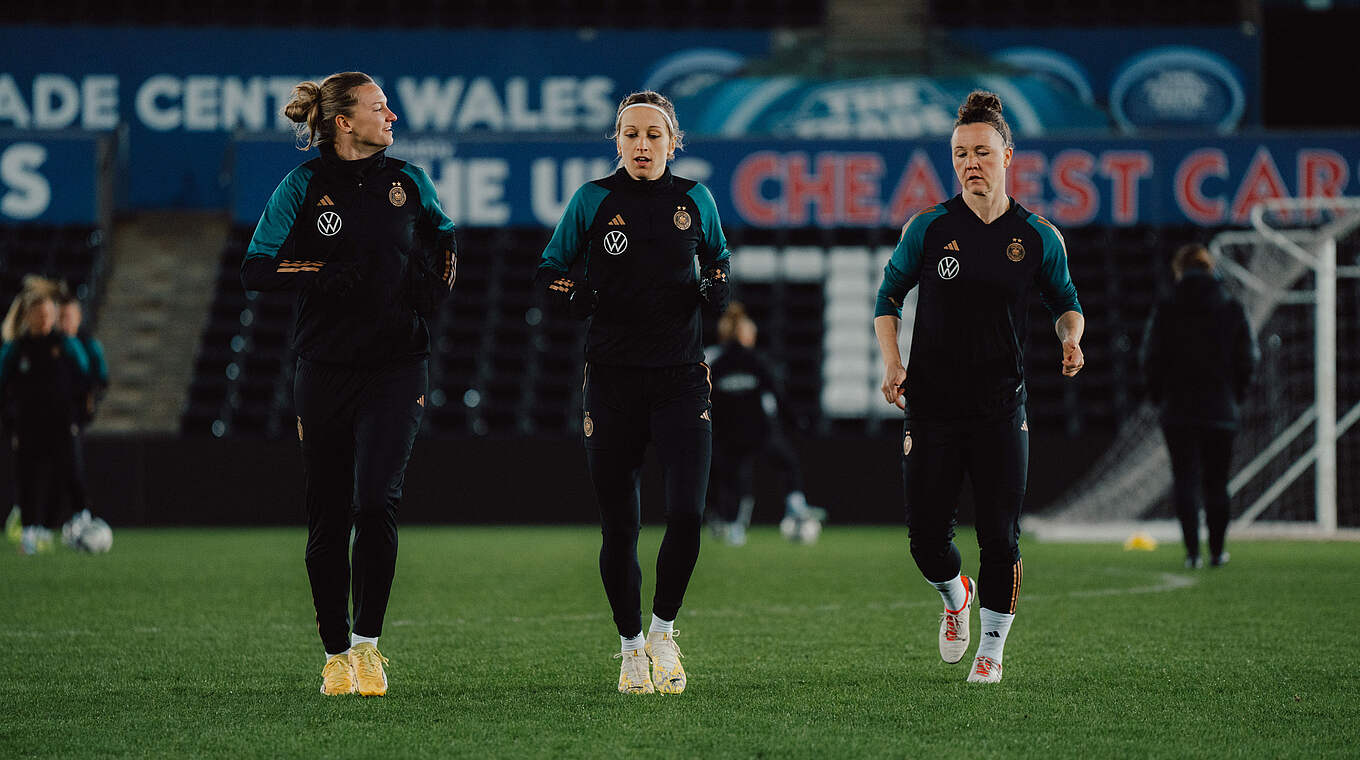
(639, 232)
(976, 258)
(362, 239)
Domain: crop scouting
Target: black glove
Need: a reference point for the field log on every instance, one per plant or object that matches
(560, 292)
(429, 278)
(338, 278)
(714, 290)
(582, 301)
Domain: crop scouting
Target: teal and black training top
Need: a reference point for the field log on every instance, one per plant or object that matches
(379, 216)
(967, 356)
(643, 243)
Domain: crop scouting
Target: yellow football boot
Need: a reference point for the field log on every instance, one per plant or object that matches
(337, 677)
(368, 664)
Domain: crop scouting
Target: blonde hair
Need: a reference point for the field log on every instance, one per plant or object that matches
(655, 100)
(35, 290)
(731, 321)
(315, 106)
(1191, 256)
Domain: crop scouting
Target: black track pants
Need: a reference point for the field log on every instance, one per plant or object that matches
(1200, 460)
(357, 427)
(994, 453)
(625, 409)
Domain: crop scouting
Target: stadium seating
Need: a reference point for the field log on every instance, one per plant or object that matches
(501, 368)
(74, 254)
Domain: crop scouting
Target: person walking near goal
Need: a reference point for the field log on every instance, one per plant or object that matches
(1198, 356)
(653, 253)
(361, 238)
(976, 258)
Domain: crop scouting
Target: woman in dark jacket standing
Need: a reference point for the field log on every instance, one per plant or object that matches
(1198, 356)
(362, 239)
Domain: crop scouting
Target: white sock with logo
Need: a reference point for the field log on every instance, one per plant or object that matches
(355, 640)
(952, 592)
(661, 626)
(995, 626)
(633, 643)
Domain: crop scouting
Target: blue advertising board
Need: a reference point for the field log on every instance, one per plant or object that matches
(49, 179)
(848, 183)
(183, 92)
(1158, 78)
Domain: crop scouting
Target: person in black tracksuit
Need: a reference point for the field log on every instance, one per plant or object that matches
(638, 234)
(747, 412)
(362, 238)
(93, 385)
(976, 258)
(41, 371)
(1198, 356)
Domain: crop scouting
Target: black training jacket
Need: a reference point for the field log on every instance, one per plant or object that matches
(1199, 354)
(369, 250)
(644, 243)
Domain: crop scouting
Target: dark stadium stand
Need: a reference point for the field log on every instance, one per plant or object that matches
(72, 253)
(501, 368)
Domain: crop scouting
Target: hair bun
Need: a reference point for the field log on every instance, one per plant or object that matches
(980, 102)
(305, 95)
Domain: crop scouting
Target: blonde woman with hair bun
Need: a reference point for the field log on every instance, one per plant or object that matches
(361, 239)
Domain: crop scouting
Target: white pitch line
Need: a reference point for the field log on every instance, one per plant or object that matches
(1164, 582)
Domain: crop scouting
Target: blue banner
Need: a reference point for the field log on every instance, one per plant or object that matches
(51, 179)
(1158, 78)
(184, 92)
(831, 184)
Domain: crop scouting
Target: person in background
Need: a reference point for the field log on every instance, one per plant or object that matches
(1198, 357)
(362, 240)
(976, 258)
(747, 411)
(41, 373)
(93, 385)
(653, 254)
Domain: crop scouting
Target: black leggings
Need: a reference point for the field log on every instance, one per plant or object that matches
(357, 428)
(625, 409)
(994, 453)
(734, 471)
(1200, 459)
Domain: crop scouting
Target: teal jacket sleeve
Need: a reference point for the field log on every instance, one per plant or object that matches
(903, 270)
(569, 240)
(1056, 291)
(713, 250)
(268, 264)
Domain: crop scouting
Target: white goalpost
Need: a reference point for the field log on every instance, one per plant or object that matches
(1286, 271)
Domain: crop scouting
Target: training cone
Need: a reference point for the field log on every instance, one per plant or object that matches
(1141, 542)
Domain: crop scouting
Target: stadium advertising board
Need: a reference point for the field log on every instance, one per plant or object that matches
(48, 180)
(799, 183)
(1160, 78)
(183, 93)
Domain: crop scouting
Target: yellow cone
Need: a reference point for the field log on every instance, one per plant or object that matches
(1140, 542)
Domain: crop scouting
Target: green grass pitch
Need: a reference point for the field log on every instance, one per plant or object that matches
(201, 643)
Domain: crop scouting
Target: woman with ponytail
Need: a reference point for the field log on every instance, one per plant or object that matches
(361, 239)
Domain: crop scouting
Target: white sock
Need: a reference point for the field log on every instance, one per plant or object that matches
(795, 503)
(329, 655)
(355, 640)
(952, 592)
(633, 643)
(661, 626)
(995, 626)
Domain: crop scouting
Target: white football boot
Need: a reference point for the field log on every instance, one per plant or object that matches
(954, 625)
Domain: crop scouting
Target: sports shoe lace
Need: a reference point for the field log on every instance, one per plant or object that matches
(335, 668)
(983, 666)
(635, 666)
(951, 626)
(370, 663)
(666, 653)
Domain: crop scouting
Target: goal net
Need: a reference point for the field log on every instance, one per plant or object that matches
(1296, 460)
